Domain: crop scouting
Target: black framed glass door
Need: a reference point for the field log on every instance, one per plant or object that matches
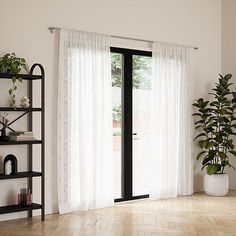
(131, 74)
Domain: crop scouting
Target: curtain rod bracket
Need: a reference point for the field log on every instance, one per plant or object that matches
(51, 29)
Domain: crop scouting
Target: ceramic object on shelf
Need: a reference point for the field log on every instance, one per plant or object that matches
(3, 136)
(24, 102)
(13, 164)
(7, 168)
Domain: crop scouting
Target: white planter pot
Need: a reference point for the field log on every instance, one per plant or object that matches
(216, 185)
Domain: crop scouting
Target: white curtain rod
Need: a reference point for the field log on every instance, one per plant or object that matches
(51, 29)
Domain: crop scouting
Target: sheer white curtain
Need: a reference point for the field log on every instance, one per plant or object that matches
(85, 176)
(171, 138)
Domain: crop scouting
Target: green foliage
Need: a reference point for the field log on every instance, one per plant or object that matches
(116, 131)
(116, 69)
(216, 122)
(213, 168)
(9, 63)
(116, 112)
(141, 71)
(3, 120)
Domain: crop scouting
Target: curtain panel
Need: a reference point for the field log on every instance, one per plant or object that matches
(85, 165)
(171, 171)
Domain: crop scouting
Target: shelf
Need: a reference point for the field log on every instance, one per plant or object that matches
(23, 76)
(16, 208)
(20, 112)
(20, 142)
(21, 175)
(20, 109)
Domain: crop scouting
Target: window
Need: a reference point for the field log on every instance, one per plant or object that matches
(131, 82)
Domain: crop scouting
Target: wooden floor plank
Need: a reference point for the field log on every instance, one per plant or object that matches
(198, 215)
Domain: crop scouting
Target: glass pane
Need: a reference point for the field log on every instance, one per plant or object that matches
(141, 122)
(116, 60)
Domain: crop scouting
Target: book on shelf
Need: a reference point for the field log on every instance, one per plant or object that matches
(21, 136)
(21, 133)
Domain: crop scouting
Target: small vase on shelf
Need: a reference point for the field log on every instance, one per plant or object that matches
(25, 197)
(4, 122)
(24, 102)
(3, 136)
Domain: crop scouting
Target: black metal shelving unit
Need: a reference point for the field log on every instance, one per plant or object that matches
(29, 174)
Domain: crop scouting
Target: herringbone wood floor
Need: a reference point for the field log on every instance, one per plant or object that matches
(194, 215)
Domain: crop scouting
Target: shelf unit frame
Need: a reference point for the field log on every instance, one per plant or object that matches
(30, 174)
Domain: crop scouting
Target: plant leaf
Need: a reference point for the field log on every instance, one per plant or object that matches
(213, 169)
(199, 126)
(200, 135)
(196, 114)
(13, 79)
(204, 166)
(202, 143)
(228, 76)
(222, 155)
(206, 160)
(210, 144)
(200, 154)
(233, 152)
(200, 121)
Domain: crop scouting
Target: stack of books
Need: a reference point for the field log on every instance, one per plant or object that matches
(21, 136)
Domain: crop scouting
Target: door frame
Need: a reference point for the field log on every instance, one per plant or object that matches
(127, 121)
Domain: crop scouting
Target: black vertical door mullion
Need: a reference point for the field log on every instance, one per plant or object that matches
(127, 127)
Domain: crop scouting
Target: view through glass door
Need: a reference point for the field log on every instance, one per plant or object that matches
(131, 84)
(117, 75)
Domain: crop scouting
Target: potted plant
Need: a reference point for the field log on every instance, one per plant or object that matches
(9, 63)
(216, 125)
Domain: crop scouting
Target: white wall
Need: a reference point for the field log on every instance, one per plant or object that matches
(23, 29)
(229, 53)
